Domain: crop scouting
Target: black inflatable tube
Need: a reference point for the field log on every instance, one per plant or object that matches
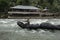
(41, 26)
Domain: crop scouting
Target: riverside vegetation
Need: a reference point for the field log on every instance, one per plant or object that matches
(52, 5)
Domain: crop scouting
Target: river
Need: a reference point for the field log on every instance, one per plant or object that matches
(9, 30)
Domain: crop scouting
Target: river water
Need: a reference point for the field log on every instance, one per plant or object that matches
(9, 30)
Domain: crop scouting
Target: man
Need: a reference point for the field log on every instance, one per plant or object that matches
(28, 22)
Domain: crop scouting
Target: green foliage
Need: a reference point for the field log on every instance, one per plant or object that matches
(3, 5)
(23, 2)
(51, 2)
(41, 1)
(53, 9)
(52, 5)
(19, 2)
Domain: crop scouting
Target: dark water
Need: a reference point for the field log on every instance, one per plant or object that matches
(9, 30)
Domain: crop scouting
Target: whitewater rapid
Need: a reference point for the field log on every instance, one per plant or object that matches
(9, 30)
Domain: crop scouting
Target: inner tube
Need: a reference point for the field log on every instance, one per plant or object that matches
(37, 26)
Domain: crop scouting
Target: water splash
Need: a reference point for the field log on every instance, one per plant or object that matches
(12, 31)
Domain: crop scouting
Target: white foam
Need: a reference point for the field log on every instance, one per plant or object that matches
(42, 31)
(33, 31)
(38, 21)
(3, 22)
